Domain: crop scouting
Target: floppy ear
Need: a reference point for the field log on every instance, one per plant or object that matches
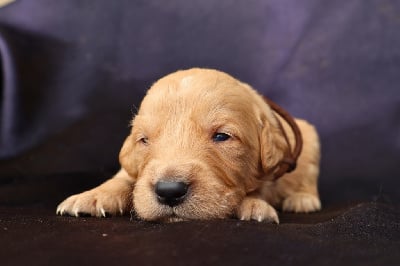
(127, 157)
(273, 148)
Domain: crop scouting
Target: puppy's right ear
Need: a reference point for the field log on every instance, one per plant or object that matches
(127, 157)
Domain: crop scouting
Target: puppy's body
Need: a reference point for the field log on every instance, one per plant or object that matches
(204, 145)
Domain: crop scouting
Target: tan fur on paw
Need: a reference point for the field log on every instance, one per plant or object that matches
(93, 202)
(301, 202)
(257, 209)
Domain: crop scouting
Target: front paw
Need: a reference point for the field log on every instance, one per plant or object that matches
(301, 202)
(95, 203)
(256, 209)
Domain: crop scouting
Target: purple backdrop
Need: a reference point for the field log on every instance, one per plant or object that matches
(334, 63)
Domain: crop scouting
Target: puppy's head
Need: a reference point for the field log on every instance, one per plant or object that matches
(199, 143)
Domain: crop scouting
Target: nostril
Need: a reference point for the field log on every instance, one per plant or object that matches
(171, 193)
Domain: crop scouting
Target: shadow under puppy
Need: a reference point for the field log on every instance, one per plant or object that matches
(205, 145)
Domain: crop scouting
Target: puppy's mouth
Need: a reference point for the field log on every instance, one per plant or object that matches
(178, 199)
(172, 218)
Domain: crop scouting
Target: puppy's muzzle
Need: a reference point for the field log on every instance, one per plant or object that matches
(171, 193)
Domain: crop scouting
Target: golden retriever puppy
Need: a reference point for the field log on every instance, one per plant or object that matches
(205, 145)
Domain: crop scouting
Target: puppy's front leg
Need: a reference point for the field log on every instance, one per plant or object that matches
(112, 197)
(255, 208)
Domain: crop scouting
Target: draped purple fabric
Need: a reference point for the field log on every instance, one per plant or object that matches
(334, 63)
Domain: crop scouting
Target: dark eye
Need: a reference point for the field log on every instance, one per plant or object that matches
(218, 137)
(144, 140)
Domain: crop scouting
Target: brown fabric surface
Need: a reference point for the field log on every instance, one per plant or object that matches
(357, 234)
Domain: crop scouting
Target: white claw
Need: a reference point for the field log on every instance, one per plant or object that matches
(76, 212)
(121, 211)
(103, 212)
(259, 218)
(242, 218)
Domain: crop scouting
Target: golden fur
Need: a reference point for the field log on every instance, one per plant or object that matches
(171, 140)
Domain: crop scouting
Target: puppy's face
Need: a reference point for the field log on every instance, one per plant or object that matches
(195, 147)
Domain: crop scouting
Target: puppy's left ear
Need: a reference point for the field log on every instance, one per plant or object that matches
(273, 148)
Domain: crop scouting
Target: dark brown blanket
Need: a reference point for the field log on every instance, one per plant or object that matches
(357, 234)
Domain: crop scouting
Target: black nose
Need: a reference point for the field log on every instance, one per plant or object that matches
(171, 193)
